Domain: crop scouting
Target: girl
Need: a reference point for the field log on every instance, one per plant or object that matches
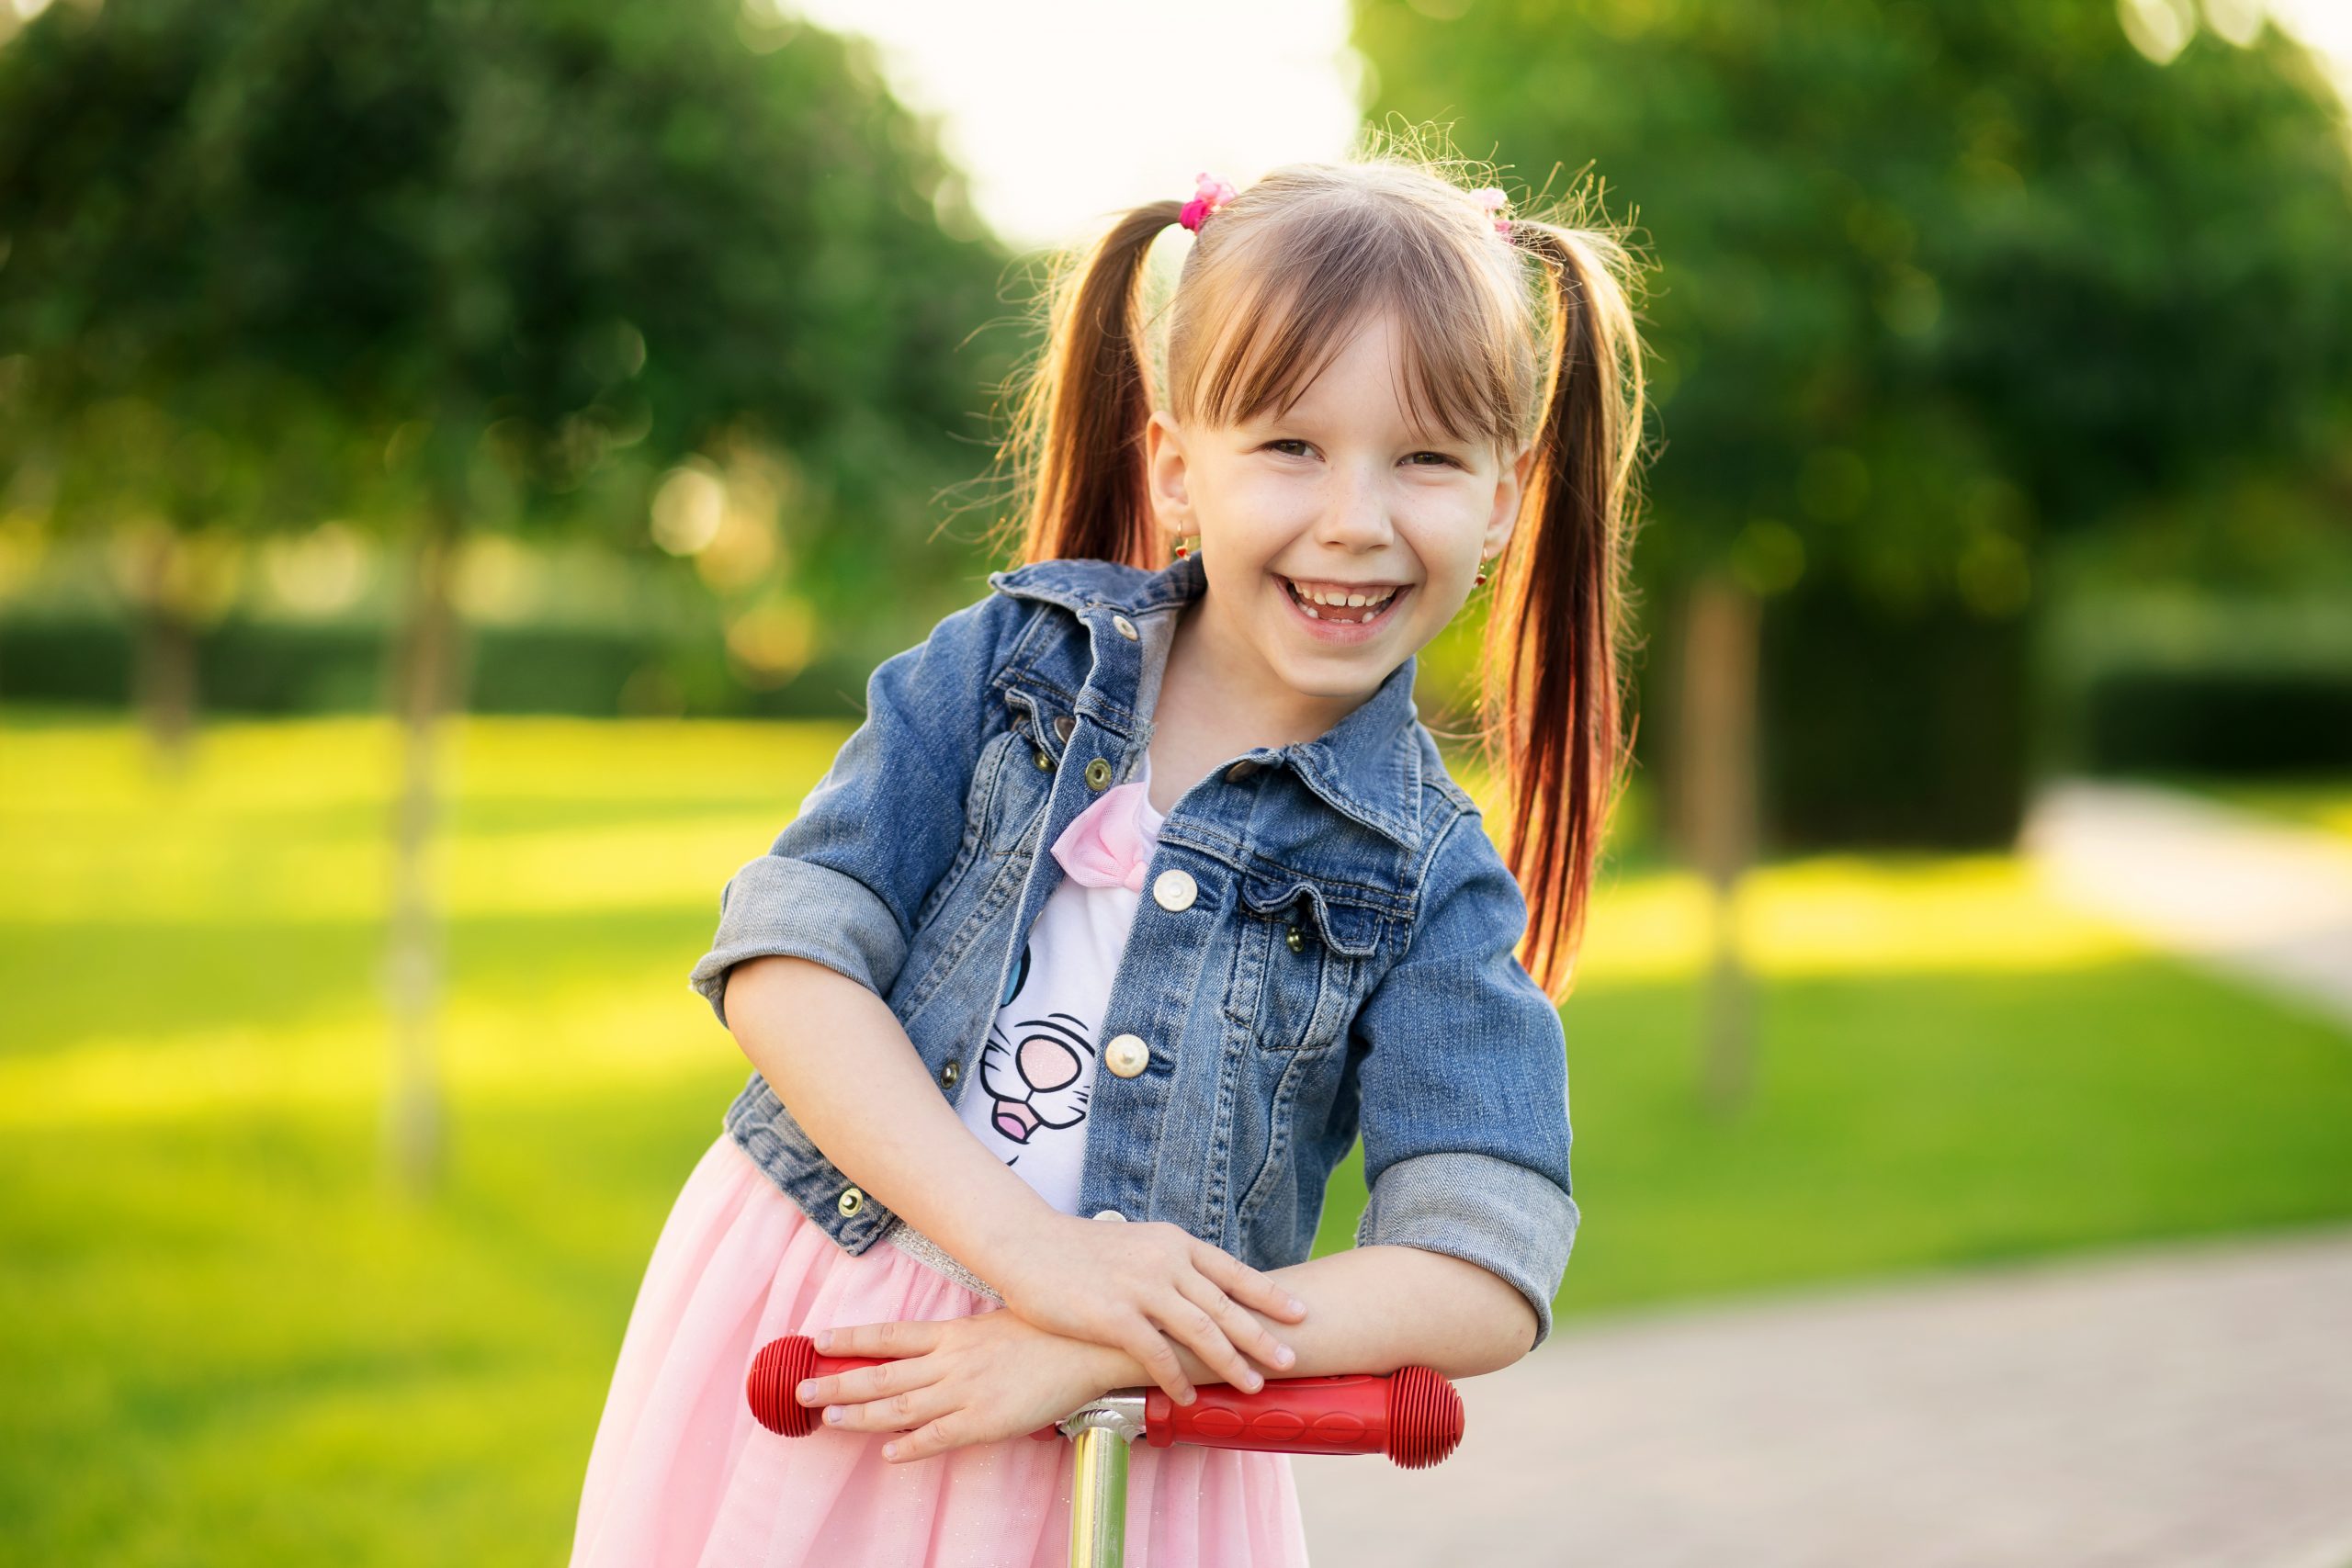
(1142, 892)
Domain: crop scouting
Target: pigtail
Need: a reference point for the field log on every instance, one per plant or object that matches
(1550, 673)
(1077, 441)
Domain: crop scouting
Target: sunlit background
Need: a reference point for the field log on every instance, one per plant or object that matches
(432, 562)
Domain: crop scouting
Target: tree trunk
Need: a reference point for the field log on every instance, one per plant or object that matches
(1719, 815)
(428, 660)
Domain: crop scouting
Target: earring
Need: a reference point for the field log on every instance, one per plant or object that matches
(1480, 581)
(1183, 551)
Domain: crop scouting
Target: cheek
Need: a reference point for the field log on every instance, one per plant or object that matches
(1261, 502)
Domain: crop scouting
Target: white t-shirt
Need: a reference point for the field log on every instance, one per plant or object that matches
(1028, 1103)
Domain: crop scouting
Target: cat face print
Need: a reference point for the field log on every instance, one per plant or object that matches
(1032, 1074)
(1034, 1071)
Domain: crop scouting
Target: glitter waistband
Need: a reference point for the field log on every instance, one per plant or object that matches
(908, 1239)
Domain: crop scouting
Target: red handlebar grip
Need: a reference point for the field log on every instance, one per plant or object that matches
(1414, 1416)
(777, 1374)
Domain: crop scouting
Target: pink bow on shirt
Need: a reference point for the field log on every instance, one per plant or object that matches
(1107, 844)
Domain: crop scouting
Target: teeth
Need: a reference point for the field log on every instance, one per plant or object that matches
(1339, 599)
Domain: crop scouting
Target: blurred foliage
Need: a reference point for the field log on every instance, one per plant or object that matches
(268, 265)
(2223, 721)
(217, 1347)
(1940, 286)
(1935, 276)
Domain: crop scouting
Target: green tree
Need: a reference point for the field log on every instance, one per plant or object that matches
(445, 265)
(1938, 280)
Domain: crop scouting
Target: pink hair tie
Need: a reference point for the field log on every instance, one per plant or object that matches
(1208, 195)
(1492, 199)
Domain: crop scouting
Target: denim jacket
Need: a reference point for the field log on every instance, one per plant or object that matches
(1327, 948)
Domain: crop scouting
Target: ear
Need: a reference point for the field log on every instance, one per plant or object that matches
(1167, 476)
(1510, 490)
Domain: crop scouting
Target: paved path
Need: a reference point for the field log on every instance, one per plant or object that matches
(2189, 1406)
(2270, 902)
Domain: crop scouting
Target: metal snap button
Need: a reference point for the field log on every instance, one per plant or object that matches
(1297, 943)
(1097, 773)
(852, 1201)
(1109, 1214)
(1127, 1055)
(1045, 760)
(1126, 627)
(1063, 725)
(1241, 770)
(950, 1072)
(1175, 889)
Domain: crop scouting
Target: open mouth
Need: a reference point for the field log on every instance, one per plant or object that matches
(1337, 609)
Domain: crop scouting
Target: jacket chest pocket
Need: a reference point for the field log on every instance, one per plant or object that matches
(1033, 748)
(1299, 962)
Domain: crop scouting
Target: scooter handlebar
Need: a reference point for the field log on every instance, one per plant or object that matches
(1413, 1414)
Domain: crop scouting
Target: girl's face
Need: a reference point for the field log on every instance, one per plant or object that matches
(1337, 539)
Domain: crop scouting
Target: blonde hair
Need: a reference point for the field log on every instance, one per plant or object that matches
(1265, 295)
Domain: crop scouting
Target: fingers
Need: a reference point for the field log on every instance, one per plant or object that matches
(1158, 1358)
(1224, 1327)
(868, 1383)
(910, 1370)
(899, 1413)
(1249, 1336)
(938, 1437)
(1248, 1286)
(913, 1336)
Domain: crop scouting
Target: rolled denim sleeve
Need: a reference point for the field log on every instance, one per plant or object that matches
(842, 883)
(1464, 1110)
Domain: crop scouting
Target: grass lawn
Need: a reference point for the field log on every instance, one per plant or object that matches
(226, 1342)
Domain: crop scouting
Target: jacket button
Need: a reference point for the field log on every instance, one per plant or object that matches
(1175, 889)
(1109, 1214)
(1045, 760)
(950, 1072)
(852, 1201)
(1240, 770)
(1297, 943)
(1063, 725)
(1127, 1055)
(1097, 773)
(1126, 627)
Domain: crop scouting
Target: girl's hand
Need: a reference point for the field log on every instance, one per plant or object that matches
(1120, 1285)
(965, 1380)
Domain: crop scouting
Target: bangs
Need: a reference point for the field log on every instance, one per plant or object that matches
(1458, 366)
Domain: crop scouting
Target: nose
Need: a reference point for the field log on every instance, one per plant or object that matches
(1356, 517)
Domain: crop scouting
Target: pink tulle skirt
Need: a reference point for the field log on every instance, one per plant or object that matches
(681, 1475)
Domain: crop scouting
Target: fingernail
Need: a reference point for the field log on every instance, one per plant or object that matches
(824, 1340)
(1286, 1355)
(1254, 1383)
(833, 1414)
(890, 1450)
(807, 1390)
(1296, 1304)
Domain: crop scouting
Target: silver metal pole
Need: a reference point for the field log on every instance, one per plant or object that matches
(1098, 1500)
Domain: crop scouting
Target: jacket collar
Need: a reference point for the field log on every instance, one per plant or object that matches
(1368, 765)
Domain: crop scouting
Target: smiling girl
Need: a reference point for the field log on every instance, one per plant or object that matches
(1143, 894)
